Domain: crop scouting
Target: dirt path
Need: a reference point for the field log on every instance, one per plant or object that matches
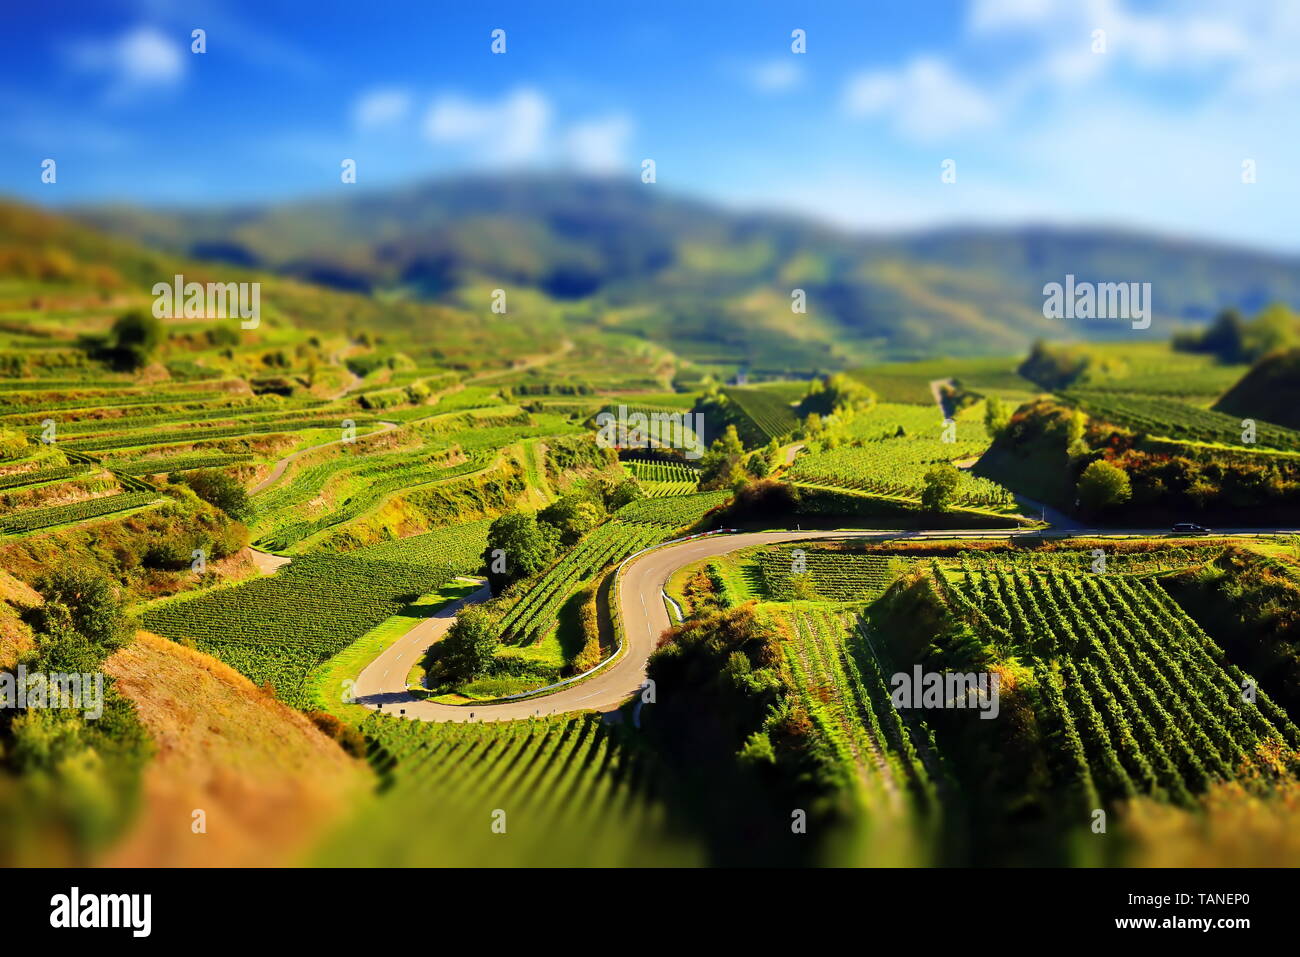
(280, 466)
(267, 563)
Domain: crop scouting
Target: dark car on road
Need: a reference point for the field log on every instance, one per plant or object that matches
(1190, 528)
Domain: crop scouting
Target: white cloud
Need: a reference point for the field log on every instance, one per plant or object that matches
(380, 107)
(519, 128)
(511, 130)
(598, 146)
(989, 15)
(141, 59)
(925, 100)
(1178, 35)
(774, 76)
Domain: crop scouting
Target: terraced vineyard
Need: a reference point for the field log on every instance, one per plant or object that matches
(181, 463)
(277, 629)
(895, 468)
(909, 382)
(1177, 420)
(37, 476)
(766, 414)
(188, 436)
(663, 479)
(678, 511)
(41, 403)
(368, 480)
(777, 676)
(653, 471)
(892, 447)
(40, 518)
(560, 792)
(456, 548)
(828, 574)
(535, 613)
(186, 412)
(1141, 700)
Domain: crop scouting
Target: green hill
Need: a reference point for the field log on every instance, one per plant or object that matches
(1269, 391)
(713, 285)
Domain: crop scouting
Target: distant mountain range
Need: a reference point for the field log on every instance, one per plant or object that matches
(712, 284)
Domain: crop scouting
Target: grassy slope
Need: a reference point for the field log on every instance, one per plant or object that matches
(15, 636)
(267, 779)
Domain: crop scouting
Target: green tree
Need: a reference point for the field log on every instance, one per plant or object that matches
(134, 339)
(219, 489)
(469, 646)
(836, 394)
(722, 466)
(518, 546)
(940, 486)
(81, 603)
(572, 516)
(1103, 486)
(996, 416)
(618, 494)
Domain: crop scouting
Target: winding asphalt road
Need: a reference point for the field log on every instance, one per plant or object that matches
(382, 684)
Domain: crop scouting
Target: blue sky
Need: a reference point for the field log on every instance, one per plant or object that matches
(1150, 130)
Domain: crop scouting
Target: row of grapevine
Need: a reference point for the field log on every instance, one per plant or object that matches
(187, 413)
(77, 385)
(535, 613)
(44, 403)
(37, 476)
(39, 518)
(180, 463)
